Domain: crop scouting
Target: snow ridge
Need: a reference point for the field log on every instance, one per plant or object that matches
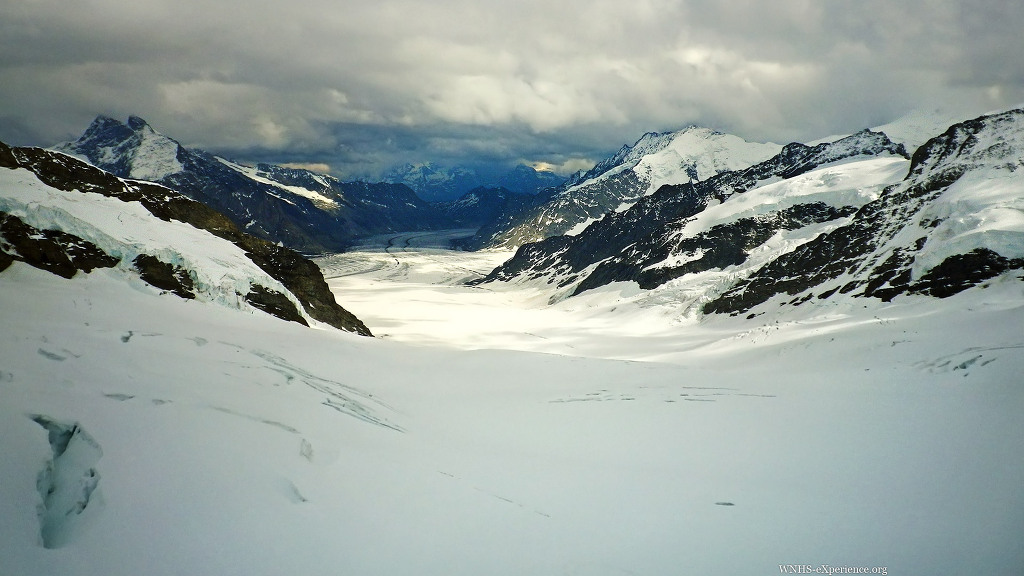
(152, 235)
(656, 159)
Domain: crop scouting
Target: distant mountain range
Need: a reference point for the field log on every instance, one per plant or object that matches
(436, 183)
(654, 160)
(859, 216)
(727, 224)
(483, 205)
(304, 210)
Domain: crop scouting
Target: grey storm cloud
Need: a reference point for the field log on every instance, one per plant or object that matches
(363, 86)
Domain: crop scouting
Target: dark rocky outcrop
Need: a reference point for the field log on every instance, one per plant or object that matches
(630, 245)
(483, 205)
(260, 200)
(165, 276)
(51, 250)
(274, 303)
(299, 275)
(722, 246)
(873, 255)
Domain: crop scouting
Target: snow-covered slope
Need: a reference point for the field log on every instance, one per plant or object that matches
(667, 234)
(301, 209)
(655, 159)
(912, 129)
(955, 221)
(189, 439)
(845, 219)
(62, 215)
(490, 432)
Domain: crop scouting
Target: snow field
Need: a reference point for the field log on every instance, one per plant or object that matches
(489, 432)
(833, 442)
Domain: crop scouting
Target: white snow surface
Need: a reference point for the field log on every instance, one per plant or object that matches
(850, 182)
(221, 272)
(489, 433)
(155, 157)
(705, 150)
(912, 129)
(918, 126)
(660, 159)
(982, 209)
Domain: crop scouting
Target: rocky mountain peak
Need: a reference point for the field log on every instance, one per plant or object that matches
(137, 124)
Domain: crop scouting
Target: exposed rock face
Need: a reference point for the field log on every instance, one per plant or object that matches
(635, 244)
(721, 246)
(952, 223)
(303, 210)
(482, 205)
(685, 156)
(275, 303)
(299, 275)
(954, 218)
(165, 276)
(51, 250)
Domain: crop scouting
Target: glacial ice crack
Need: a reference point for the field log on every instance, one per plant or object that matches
(68, 483)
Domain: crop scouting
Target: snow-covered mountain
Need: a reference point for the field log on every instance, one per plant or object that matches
(853, 217)
(62, 215)
(648, 242)
(303, 210)
(956, 220)
(434, 183)
(916, 127)
(151, 435)
(487, 432)
(525, 179)
(482, 205)
(437, 183)
(656, 159)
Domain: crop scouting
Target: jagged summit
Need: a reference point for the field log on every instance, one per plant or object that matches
(856, 216)
(436, 183)
(132, 150)
(303, 210)
(655, 159)
(136, 123)
(954, 222)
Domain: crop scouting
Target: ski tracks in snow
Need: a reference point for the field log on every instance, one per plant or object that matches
(341, 397)
(495, 495)
(968, 360)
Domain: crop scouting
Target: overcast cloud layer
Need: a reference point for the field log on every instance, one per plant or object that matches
(361, 86)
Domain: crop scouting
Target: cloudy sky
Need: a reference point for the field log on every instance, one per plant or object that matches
(360, 86)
